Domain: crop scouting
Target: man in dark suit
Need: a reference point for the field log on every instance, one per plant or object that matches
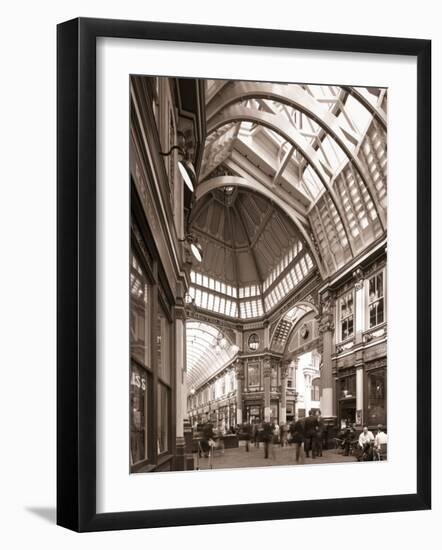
(319, 440)
(267, 437)
(297, 432)
(311, 428)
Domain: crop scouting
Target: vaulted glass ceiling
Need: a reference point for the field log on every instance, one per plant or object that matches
(206, 353)
(305, 163)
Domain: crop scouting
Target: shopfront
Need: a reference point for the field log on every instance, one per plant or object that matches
(151, 376)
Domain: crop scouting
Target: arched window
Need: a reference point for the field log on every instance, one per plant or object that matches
(315, 390)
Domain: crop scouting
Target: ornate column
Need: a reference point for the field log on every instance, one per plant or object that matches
(181, 390)
(284, 370)
(326, 329)
(239, 371)
(299, 398)
(359, 394)
(267, 386)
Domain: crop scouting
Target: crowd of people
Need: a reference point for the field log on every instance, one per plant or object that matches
(307, 435)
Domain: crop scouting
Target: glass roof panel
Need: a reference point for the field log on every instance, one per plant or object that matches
(204, 355)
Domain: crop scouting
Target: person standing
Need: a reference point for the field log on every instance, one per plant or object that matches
(247, 434)
(319, 433)
(297, 437)
(207, 438)
(276, 433)
(311, 428)
(267, 437)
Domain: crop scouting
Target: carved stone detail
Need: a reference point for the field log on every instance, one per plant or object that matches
(358, 275)
(326, 315)
(284, 369)
(267, 367)
(239, 369)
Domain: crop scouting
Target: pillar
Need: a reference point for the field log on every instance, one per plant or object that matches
(326, 330)
(239, 367)
(307, 392)
(359, 394)
(267, 386)
(181, 390)
(298, 396)
(284, 370)
(359, 306)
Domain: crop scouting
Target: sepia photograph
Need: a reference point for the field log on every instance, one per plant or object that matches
(258, 274)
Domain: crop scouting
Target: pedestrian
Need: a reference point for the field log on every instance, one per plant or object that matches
(247, 434)
(267, 437)
(297, 429)
(319, 433)
(207, 438)
(259, 432)
(276, 433)
(311, 428)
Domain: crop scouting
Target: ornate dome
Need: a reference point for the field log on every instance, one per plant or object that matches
(244, 235)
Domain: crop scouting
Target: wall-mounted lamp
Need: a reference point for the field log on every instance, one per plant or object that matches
(185, 165)
(195, 247)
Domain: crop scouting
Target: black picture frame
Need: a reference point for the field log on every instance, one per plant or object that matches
(76, 273)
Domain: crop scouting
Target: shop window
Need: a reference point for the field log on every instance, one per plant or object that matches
(140, 310)
(376, 397)
(253, 375)
(347, 386)
(139, 417)
(163, 418)
(274, 379)
(376, 299)
(291, 377)
(163, 346)
(346, 315)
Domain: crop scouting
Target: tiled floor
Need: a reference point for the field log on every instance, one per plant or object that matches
(240, 458)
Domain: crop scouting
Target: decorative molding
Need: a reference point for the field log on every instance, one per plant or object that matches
(375, 333)
(239, 369)
(267, 367)
(326, 313)
(358, 275)
(345, 346)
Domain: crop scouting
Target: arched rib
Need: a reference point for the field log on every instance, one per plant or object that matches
(282, 127)
(299, 99)
(225, 181)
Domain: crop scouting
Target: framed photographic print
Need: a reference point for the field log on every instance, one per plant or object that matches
(243, 274)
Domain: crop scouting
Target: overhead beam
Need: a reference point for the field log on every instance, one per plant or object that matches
(281, 125)
(299, 99)
(283, 165)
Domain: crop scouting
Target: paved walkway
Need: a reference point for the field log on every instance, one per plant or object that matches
(282, 456)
